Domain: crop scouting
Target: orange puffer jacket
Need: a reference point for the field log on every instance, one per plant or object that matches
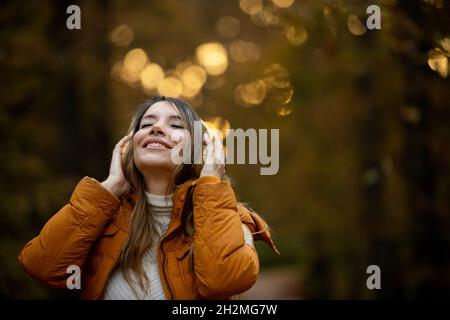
(91, 229)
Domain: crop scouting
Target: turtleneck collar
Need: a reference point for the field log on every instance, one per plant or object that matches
(161, 204)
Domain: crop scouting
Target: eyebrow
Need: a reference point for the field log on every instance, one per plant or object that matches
(150, 116)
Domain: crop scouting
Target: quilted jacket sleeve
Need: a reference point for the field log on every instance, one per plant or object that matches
(224, 265)
(67, 237)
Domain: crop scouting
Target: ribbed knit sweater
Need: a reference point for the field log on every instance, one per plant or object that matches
(117, 287)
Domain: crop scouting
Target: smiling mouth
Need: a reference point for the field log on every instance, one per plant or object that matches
(155, 145)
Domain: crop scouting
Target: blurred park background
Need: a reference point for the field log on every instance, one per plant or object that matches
(363, 118)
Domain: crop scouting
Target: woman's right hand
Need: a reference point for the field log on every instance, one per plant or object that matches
(116, 182)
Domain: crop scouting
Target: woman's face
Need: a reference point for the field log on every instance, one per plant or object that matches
(160, 130)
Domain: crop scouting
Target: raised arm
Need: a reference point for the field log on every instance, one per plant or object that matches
(225, 264)
(67, 237)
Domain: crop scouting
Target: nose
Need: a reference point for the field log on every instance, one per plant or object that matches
(156, 129)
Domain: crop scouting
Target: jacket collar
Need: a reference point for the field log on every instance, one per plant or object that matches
(257, 225)
(129, 201)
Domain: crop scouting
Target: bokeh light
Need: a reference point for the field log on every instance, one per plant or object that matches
(438, 62)
(194, 77)
(283, 3)
(296, 35)
(411, 114)
(265, 17)
(251, 6)
(355, 25)
(445, 44)
(213, 57)
(282, 96)
(218, 123)
(250, 94)
(284, 111)
(170, 86)
(228, 26)
(129, 76)
(214, 83)
(151, 76)
(116, 70)
(244, 51)
(122, 35)
(275, 75)
(135, 60)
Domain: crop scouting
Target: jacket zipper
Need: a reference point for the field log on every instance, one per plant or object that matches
(188, 194)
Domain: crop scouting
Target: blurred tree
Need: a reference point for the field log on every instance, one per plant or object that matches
(363, 119)
(425, 153)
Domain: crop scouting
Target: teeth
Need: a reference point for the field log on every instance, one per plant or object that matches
(156, 144)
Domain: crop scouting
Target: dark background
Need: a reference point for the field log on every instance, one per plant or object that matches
(363, 119)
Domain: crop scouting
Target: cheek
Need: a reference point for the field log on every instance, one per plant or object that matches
(136, 143)
(137, 138)
(179, 136)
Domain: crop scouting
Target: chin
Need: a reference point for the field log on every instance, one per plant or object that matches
(154, 162)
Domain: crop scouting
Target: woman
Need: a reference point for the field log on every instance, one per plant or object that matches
(153, 229)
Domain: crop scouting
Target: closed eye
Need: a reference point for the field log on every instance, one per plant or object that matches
(176, 126)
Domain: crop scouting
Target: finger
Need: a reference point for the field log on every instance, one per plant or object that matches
(122, 141)
(218, 149)
(120, 149)
(207, 139)
(208, 151)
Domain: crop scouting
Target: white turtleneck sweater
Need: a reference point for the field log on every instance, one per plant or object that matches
(117, 288)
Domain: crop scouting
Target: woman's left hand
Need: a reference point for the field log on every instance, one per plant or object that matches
(214, 156)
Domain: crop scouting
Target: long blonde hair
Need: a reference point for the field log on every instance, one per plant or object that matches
(142, 225)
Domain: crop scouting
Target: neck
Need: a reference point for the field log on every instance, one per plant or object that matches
(159, 183)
